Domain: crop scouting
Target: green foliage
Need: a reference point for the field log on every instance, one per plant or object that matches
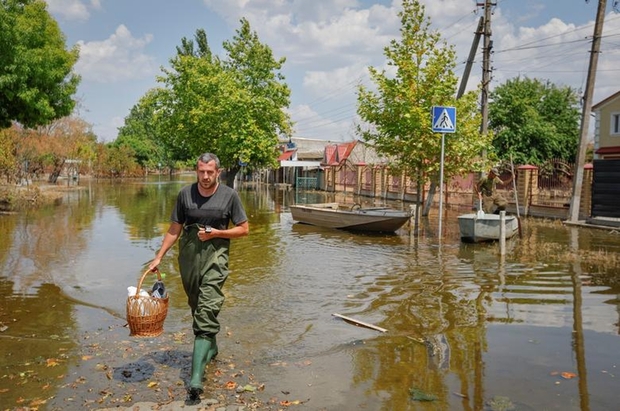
(141, 133)
(534, 121)
(399, 112)
(262, 118)
(232, 107)
(36, 82)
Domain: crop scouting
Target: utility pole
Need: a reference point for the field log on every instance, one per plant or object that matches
(471, 58)
(585, 114)
(487, 45)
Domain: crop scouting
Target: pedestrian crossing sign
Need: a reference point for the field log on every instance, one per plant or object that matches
(444, 119)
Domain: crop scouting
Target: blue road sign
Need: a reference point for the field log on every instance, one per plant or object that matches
(444, 119)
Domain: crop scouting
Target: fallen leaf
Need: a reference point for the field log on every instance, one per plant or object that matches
(52, 362)
(286, 403)
(86, 357)
(231, 385)
(152, 384)
(37, 402)
(568, 375)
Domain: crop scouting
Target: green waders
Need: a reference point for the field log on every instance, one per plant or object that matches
(204, 269)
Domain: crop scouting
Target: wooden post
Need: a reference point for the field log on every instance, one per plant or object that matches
(502, 232)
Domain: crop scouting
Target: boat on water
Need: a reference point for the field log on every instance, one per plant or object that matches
(480, 227)
(353, 218)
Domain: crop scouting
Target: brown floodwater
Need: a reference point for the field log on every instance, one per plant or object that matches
(467, 329)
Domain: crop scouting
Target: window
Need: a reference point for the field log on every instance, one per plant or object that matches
(614, 129)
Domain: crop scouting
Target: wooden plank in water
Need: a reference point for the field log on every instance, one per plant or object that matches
(357, 322)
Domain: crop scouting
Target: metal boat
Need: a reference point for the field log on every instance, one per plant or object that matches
(481, 227)
(354, 218)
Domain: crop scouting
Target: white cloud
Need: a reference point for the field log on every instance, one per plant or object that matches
(314, 125)
(69, 9)
(108, 131)
(120, 57)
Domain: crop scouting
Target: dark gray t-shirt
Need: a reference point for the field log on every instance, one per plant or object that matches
(217, 211)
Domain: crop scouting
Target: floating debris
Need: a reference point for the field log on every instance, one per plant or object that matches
(419, 395)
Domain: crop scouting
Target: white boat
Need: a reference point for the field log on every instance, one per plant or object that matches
(481, 227)
(355, 218)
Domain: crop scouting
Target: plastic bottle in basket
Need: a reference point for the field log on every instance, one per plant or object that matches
(159, 290)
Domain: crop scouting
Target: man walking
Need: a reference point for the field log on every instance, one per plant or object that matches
(201, 221)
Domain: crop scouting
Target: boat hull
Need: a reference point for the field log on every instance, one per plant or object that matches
(331, 215)
(475, 229)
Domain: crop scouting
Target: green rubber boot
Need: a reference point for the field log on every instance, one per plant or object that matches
(202, 346)
(212, 351)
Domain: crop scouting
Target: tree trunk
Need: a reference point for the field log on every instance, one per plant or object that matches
(229, 176)
(429, 199)
(53, 178)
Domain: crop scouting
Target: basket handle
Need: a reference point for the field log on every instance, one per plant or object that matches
(155, 270)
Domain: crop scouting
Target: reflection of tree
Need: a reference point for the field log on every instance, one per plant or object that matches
(438, 331)
(41, 242)
(145, 210)
(37, 343)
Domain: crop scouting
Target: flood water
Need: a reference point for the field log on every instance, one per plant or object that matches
(467, 329)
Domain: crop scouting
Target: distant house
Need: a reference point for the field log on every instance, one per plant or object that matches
(607, 128)
(606, 164)
(299, 162)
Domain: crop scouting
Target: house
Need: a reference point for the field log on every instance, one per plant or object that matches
(607, 128)
(300, 161)
(606, 164)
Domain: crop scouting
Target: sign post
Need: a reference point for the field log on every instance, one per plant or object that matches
(444, 121)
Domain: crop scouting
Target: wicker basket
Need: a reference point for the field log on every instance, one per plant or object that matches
(146, 315)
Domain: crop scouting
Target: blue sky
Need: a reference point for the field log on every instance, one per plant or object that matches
(328, 44)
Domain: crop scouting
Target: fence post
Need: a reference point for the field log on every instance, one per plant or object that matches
(527, 185)
(585, 205)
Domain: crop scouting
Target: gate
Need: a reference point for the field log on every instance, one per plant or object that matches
(606, 188)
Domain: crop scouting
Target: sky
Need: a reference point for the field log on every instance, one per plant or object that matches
(328, 46)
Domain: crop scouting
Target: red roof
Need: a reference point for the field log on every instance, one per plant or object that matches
(286, 155)
(336, 154)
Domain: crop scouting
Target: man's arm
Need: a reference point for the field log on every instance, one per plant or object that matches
(171, 236)
(240, 230)
(479, 187)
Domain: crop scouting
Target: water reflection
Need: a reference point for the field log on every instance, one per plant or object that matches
(465, 326)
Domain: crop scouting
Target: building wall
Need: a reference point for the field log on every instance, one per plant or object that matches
(603, 125)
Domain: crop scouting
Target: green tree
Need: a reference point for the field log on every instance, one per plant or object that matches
(36, 78)
(398, 113)
(263, 120)
(232, 107)
(534, 121)
(141, 131)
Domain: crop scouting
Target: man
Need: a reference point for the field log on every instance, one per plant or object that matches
(487, 192)
(201, 219)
